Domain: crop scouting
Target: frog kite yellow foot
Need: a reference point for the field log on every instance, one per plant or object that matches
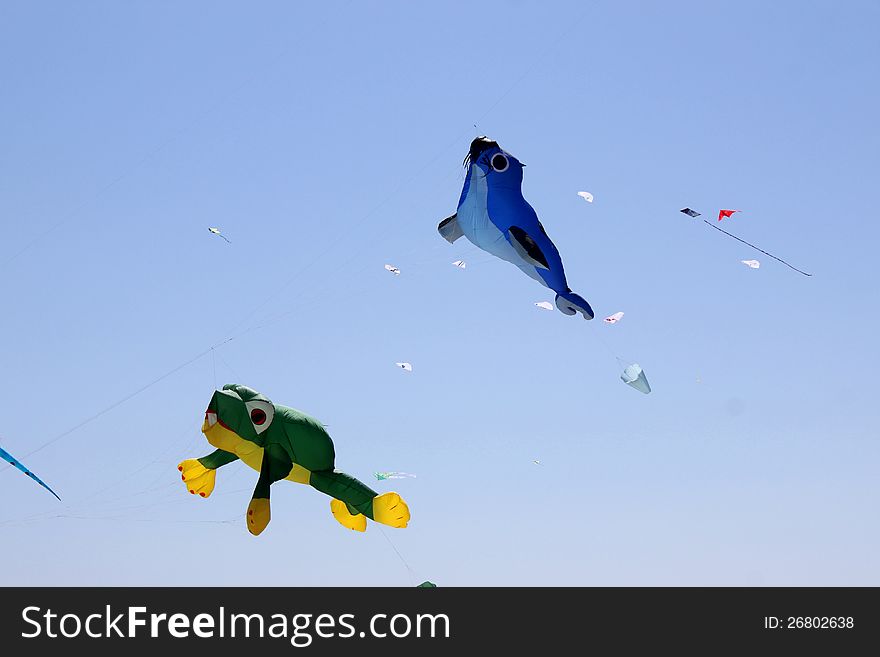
(390, 509)
(198, 479)
(357, 522)
(258, 515)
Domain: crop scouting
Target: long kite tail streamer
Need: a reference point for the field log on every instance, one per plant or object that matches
(756, 248)
(9, 458)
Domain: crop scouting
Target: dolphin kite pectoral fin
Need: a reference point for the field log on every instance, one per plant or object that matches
(527, 248)
(449, 228)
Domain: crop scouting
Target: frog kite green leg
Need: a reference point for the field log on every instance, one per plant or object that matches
(282, 443)
(276, 466)
(354, 501)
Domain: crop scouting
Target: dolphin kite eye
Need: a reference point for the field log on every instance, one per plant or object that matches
(261, 414)
(499, 162)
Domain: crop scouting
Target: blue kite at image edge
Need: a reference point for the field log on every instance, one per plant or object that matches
(9, 458)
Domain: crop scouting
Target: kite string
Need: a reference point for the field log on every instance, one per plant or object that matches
(614, 355)
(410, 571)
(229, 367)
(124, 399)
(756, 248)
(539, 60)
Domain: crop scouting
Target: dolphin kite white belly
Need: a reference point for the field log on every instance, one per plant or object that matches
(478, 228)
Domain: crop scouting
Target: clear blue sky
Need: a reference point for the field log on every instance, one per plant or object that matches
(326, 141)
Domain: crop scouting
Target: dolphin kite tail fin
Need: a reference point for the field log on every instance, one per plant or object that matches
(570, 303)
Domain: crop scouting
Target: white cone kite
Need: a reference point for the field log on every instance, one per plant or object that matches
(546, 305)
(404, 366)
(586, 196)
(634, 377)
(613, 319)
(754, 264)
(394, 270)
(461, 264)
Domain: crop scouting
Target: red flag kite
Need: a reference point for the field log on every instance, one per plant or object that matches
(725, 213)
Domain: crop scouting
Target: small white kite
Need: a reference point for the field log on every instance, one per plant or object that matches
(754, 264)
(394, 270)
(404, 366)
(546, 305)
(216, 231)
(586, 196)
(613, 319)
(461, 264)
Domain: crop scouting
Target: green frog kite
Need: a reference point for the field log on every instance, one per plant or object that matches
(282, 443)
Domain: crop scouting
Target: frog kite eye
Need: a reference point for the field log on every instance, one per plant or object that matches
(261, 414)
(281, 442)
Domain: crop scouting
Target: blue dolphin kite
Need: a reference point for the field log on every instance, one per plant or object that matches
(494, 216)
(9, 458)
